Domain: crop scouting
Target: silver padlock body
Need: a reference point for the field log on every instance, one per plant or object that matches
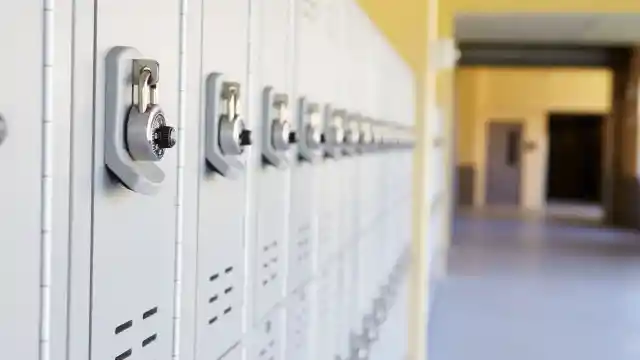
(280, 135)
(140, 131)
(229, 136)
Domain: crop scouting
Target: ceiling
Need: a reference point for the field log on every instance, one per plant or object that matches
(579, 29)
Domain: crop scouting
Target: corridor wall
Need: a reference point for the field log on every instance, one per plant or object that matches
(525, 95)
(224, 179)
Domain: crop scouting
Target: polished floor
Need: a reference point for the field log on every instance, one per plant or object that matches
(537, 289)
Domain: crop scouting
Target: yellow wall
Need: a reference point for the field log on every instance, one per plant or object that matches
(527, 96)
(404, 24)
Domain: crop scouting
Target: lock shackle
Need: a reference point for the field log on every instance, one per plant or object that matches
(232, 98)
(144, 80)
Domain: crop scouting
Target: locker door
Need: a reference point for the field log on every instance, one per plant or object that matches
(324, 315)
(267, 338)
(21, 159)
(349, 165)
(304, 169)
(133, 231)
(298, 321)
(270, 90)
(220, 275)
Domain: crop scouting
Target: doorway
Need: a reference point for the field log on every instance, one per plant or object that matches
(504, 163)
(574, 172)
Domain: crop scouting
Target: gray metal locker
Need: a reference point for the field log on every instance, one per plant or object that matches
(324, 317)
(307, 73)
(134, 211)
(273, 107)
(34, 153)
(298, 325)
(267, 337)
(223, 172)
(176, 195)
(342, 293)
(21, 145)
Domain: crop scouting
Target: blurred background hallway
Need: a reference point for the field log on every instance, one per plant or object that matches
(532, 288)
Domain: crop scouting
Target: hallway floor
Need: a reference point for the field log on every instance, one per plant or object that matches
(538, 290)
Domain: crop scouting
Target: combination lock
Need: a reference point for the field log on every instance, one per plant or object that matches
(3, 129)
(380, 311)
(147, 132)
(233, 133)
(279, 136)
(333, 136)
(227, 135)
(313, 135)
(335, 130)
(351, 135)
(366, 134)
(136, 141)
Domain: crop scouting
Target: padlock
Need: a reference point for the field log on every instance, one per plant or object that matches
(366, 134)
(351, 134)
(310, 138)
(3, 129)
(335, 131)
(281, 134)
(233, 135)
(312, 129)
(147, 132)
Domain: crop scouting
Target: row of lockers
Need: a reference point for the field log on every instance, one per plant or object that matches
(187, 179)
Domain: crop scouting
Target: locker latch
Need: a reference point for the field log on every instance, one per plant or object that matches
(227, 135)
(278, 134)
(135, 141)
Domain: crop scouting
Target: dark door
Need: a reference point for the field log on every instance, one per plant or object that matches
(575, 153)
(503, 163)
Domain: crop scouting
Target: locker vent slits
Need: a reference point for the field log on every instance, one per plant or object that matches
(228, 290)
(213, 320)
(214, 277)
(228, 270)
(124, 355)
(213, 299)
(124, 326)
(150, 312)
(227, 310)
(149, 340)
